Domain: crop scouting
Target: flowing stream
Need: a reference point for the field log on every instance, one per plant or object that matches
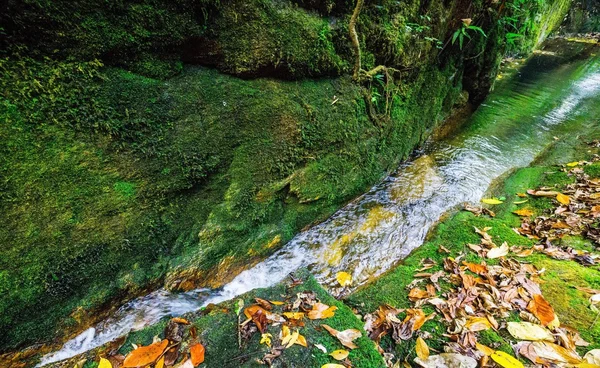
(545, 100)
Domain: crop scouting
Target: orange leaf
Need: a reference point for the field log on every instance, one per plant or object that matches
(145, 355)
(197, 353)
(541, 309)
(523, 212)
(416, 294)
(321, 311)
(180, 320)
(476, 268)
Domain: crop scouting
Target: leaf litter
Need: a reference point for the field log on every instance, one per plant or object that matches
(483, 296)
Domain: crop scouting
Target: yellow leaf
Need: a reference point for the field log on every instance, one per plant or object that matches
(506, 360)
(159, 364)
(302, 341)
(486, 350)
(321, 311)
(294, 315)
(523, 212)
(344, 278)
(562, 198)
(491, 201)
(522, 195)
(285, 332)
(332, 365)
(422, 349)
(475, 324)
(529, 331)
(104, 363)
(521, 202)
(266, 339)
(340, 354)
(293, 339)
(595, 195)
(572, 164)
(276, 302)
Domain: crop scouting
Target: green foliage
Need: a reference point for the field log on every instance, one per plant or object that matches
(463, 33)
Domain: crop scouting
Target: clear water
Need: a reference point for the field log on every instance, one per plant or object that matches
(544, 101)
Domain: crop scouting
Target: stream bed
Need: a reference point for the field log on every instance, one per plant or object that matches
(544, 100)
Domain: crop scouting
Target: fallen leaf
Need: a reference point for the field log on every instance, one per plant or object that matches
(475, 324)
(506, 360)
(592, 357)
(276, 302)
(523, 212)
(498, 252)
(265, 338)
(321, 347)
(332, 365)
(485, 350)
(542, 193)
(321, 311)
(447, 360)
(416, 294)
(573, 164)
(160, 363)
(263, 303)
(492, 201)
(291, 339)
(301, 341)
(104, 363)
(556, 353)
(521, 202)
(180, 320)
(294, 315)
(145, 355)
(339, 354)
(346, 337)
(422, 349)
(562, 198)
(344, 278)
(186, 364)
(197, 353)
(529, 331)
(476, 268)
(522, 195)
(541, 309)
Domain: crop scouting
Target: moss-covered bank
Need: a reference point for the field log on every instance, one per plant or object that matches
(121, 167)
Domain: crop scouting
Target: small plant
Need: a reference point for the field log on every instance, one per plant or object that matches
(463, 32)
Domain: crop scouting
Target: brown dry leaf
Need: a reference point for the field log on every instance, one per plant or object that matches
(321, 311)
(541, 309)
(524, 212)
(563, 198)
(145, 355)
(416, 294)
(592, 357)
(346, 337)
(263, 303)
(197, 353)
(542, 193)
(422, 349)
(555, 353)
